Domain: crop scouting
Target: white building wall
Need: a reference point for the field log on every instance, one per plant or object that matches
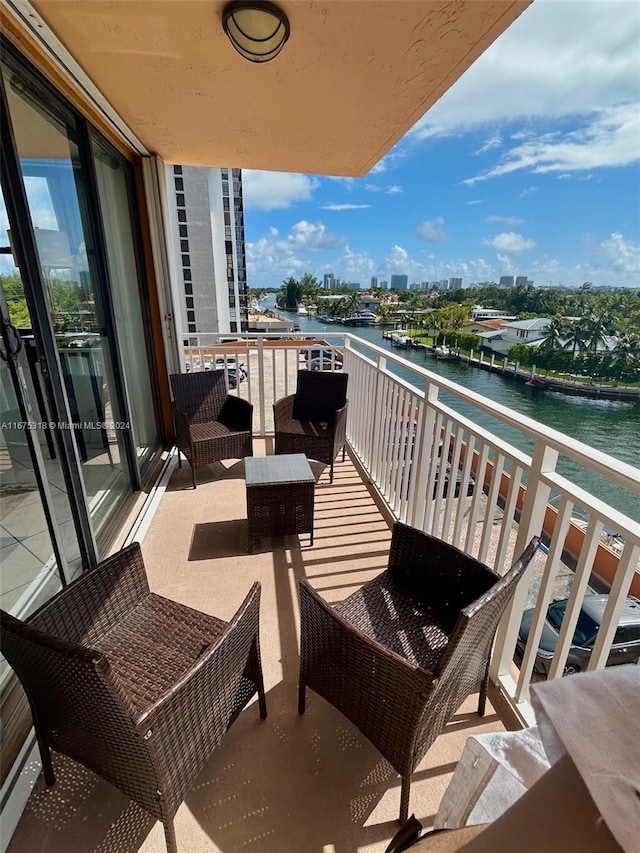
(209, 299)
(214, 180)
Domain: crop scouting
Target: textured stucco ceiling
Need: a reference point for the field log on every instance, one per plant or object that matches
(352, 79)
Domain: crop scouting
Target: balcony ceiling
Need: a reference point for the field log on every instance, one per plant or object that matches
(354, 76)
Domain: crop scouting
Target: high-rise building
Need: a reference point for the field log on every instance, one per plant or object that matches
(374, 281)
(384, 285)
(328, 281)
(399, 282)
(207, 226)
(506, 281)
(523, 281)
(455, 283)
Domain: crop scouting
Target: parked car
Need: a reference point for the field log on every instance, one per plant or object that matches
(326, 354)
(234, 371)
(626, 641)
(324, 363)
(232, 364)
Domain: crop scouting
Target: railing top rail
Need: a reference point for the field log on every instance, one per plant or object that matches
(627, 475)
(613, 469)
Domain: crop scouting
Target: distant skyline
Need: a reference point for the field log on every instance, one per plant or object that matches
(528, 165)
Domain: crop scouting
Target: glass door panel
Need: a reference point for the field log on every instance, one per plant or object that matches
(56, 188)
(38, 544)
(113, 195)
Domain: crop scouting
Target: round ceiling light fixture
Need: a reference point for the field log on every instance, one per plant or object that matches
(257, 30)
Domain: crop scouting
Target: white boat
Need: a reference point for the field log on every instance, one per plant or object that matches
(403, 341)
(361, 318)
(443, 351)
(302, 311)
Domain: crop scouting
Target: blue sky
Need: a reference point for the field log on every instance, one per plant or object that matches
(528, 165)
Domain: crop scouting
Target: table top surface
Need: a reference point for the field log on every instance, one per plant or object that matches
(273, 470)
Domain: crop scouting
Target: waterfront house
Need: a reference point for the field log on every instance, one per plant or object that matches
(516, 332)
(96, 99)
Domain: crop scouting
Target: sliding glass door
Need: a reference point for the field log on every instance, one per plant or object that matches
(79, 202)
(78, 421)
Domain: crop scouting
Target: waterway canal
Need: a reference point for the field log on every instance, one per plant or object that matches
(610, 426)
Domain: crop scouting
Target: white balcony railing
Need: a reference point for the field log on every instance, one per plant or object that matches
(439, 470)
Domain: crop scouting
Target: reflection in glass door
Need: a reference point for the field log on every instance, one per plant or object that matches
(55, 183)
(38, 544)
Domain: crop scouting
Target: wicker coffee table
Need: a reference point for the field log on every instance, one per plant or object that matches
(279, 496)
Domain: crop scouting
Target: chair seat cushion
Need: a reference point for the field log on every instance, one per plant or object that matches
(155, 644)
(414, 630)
(213, 429)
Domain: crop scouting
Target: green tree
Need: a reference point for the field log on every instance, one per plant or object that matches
(598, 327)
(290, 295)
(555, 332)
(16, 302)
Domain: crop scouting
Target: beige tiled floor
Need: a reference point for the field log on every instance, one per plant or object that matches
(291, 784)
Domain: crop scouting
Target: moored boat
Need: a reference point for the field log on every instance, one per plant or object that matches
(443, 351)
(361, 318)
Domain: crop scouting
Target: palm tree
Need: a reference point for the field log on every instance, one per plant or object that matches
(598, 328)
(290, 295)
(556, 331)
(577, 336)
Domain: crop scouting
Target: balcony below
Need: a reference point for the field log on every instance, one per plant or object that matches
(305, 784)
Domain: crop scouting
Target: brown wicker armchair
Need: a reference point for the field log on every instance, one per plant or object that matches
(400, 655)
(136, 687)
(313, 421)
(210, 423)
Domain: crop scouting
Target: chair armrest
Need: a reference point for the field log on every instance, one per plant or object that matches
(200, 706)
(377, 689)
(237, 414)
(324, 631)
(340, 419)
(181, 421)
(283, 409)
(90, 605)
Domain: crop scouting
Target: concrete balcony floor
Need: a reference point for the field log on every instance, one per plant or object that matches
(290, 784)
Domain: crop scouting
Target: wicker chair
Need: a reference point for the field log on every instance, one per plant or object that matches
(138, 688)
(400, 655)
(313, 421)
(210, 423)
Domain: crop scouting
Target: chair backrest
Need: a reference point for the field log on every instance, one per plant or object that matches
(69, 687)
(435, 570)
(319, 395)
(199, 395)
(468, 648)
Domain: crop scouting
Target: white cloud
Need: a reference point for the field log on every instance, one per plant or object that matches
(608, 139)
(559, 62)
(493, 141)
(528, 191)
(508, 220)
(276, 190)
(349, 184)
(390, 189)
(554, 61)
(356, 266)
(617, 255)
(509, 241)
(307, 237)
(475, 201)
(344, 206)
(506, 265)
(269, 259)
(432, 231)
